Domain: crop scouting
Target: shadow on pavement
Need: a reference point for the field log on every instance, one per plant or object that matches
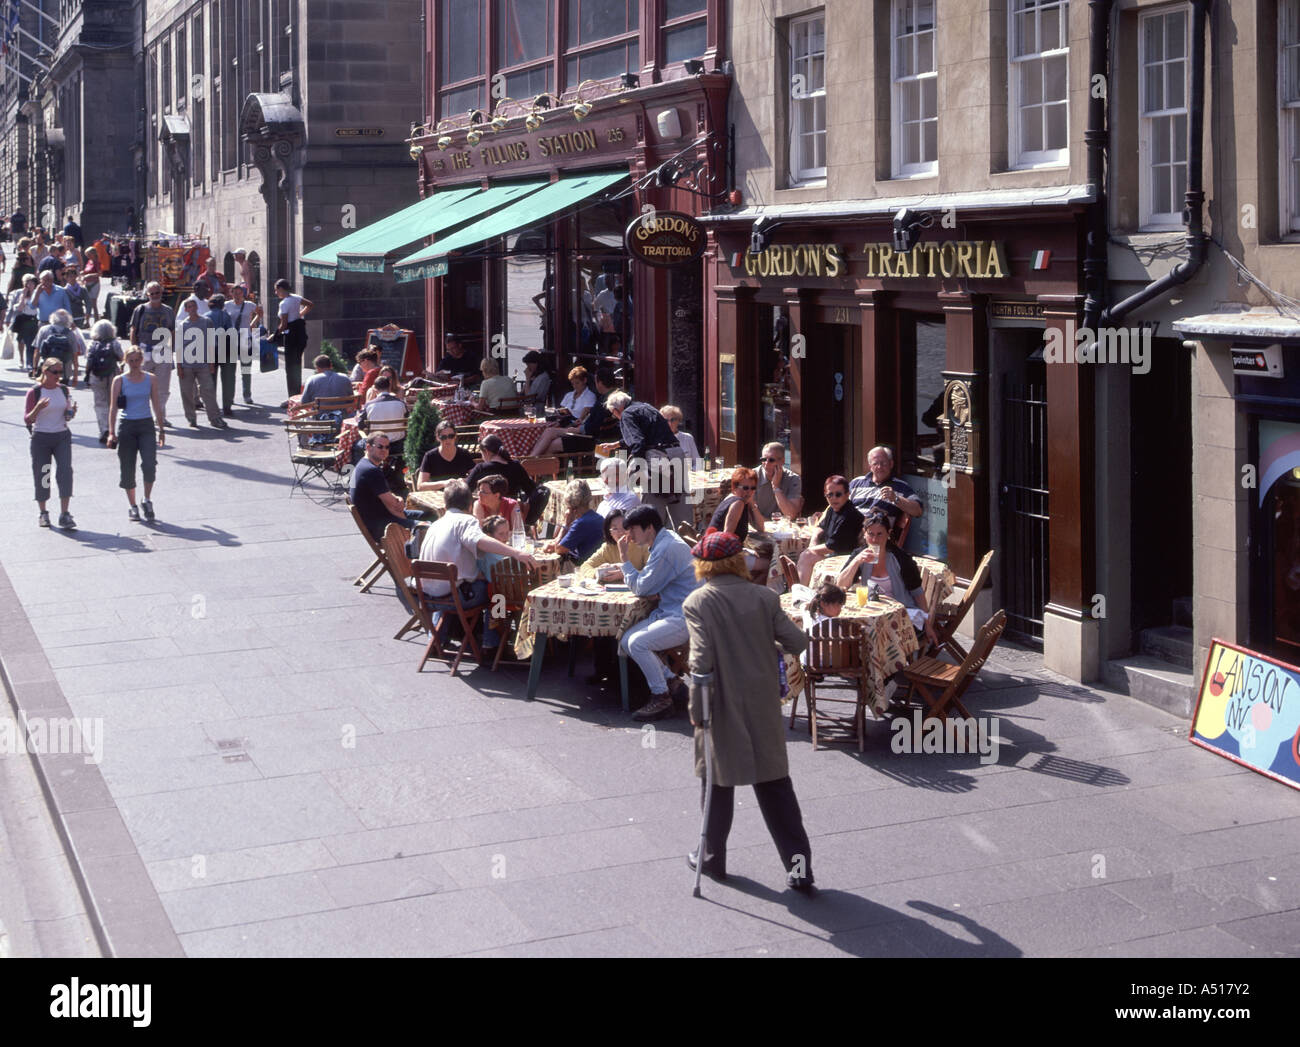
(239, 472)
(113, 543)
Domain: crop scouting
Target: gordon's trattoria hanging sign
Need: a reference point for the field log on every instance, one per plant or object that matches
(971, 259)
(664, 238)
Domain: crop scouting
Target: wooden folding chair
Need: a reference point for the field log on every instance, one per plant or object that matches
(312, 453)
(323, 404)
(835, 651)
(376, 568)
(399, 569)
(948, 617)
(437, 571)
(687, 532)
(513, 581)
(942, 684)
(540, 470)
(790, 571)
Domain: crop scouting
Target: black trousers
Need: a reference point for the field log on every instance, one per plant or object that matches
(295, 344)
(780, 809)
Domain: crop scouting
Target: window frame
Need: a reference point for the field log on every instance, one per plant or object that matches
(1149, 219)
(700, 17)
(899, 169)
(800, 177)
(1021, 158)
(1288, 18)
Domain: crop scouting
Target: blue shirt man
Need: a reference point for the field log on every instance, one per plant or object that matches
(669, 573)
(49, 297)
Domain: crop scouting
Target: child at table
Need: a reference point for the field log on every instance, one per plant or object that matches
(497, 527)
(826, 603)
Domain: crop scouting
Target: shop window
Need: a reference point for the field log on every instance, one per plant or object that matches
(807, 99)
(1289, 98)
(1038, 78)
(529, 301)
(923, 357)
(1284, 523)
(1163, 38)
(598, 327)
(915, 94)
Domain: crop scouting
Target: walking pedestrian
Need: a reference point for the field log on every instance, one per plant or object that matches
(293, 325)
(246, 315)
(196, 368)
(734, 628)
(90, 275)
(102, 361)
(48, 410)
(60, 340)
(23, 264)
(133, 435)
(24, 319)
(226, 343)
(159, 356)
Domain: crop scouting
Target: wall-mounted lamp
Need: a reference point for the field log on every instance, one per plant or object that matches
(693, 66)
(417, 131)
(444, 139)
(475, 135)
(629, 81)
(533, 120)
(499, 120)
(581, 107)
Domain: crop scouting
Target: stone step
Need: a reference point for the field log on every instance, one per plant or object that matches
(1153, 681)
(1170, 643)
(1183, 611)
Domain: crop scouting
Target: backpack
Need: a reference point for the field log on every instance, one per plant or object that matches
(101, 361)
(58, 344)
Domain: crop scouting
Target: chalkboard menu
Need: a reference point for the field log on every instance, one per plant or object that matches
(397, 349)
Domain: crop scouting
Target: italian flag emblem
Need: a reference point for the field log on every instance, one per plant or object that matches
(1042, 259)
(735, 259)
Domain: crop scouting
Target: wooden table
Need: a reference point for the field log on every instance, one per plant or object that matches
(937, 579)
(555, 610)
(518, 434)
(888, 642)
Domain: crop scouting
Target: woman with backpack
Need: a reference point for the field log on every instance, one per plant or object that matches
(59, 339)
(101, 368)
(139, 396)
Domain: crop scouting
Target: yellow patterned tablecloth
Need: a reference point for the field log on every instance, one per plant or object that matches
(937, 579)
(706, 488)
(888, 641)
(429, 501)
(555, 610)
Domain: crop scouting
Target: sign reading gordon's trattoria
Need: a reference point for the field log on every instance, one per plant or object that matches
(664, 238)
(972, 259)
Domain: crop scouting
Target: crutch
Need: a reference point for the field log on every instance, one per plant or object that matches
(702, 683)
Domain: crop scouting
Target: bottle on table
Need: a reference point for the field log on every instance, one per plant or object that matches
(517, 538)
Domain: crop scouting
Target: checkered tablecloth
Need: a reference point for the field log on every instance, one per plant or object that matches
(888, 641)
(553, 610)
(457, 412)
(518, 434)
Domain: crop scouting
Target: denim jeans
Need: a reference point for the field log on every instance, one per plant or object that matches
(642, 640)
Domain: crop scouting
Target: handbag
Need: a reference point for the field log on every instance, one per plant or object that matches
(7, 351)
(269, 358)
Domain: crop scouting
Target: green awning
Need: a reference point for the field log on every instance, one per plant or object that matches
(365, 249)
(432, 261)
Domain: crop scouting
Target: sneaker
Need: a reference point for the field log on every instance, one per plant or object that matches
(134, 514)
(659, 705)
(248, 400)
(44, 521)
(67, 522)
(147, 506)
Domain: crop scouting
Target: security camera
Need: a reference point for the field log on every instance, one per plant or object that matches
(907, 229)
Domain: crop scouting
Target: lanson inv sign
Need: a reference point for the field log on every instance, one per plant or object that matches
(665, 238)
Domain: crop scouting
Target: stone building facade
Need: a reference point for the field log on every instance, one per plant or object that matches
(270, 126)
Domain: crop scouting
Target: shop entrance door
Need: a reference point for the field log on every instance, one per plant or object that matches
(1022, 500)
(829, 445)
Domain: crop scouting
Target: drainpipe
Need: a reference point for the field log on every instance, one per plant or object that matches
(1193, 211)
(1095, 141)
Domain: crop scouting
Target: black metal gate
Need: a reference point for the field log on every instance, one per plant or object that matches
(1022, 499)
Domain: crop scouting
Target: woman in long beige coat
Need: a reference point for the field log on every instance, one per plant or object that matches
(734, 627)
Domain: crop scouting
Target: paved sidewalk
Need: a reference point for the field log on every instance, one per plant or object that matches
(288, 785)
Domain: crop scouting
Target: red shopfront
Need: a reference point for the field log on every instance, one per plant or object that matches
(539, 287)
(831, 342)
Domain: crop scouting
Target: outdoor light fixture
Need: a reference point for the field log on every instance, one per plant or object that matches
(499, 121)
(444, 139)
(417, 131)
(628, 81)
(475, 135)
(907, 228)
(533, 120)
(581, 107)
(693, 66)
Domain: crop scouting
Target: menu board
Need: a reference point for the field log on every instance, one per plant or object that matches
(1249, 711)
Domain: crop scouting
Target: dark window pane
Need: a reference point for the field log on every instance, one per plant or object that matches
(458, 103)
(530, 83)
(524, 31)
(682, 8)
(462, 40)
(602, 64)
(591, 20)
(685, 42)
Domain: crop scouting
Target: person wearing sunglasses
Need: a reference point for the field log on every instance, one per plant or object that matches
(370, 495)
(837, 530)
(737, 512)
(779, 489)
(444, 462)
(148, 319)
(47, 412)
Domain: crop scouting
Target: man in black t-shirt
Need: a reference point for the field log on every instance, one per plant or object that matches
(458, 360)
(370, 495)
(435, 470)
